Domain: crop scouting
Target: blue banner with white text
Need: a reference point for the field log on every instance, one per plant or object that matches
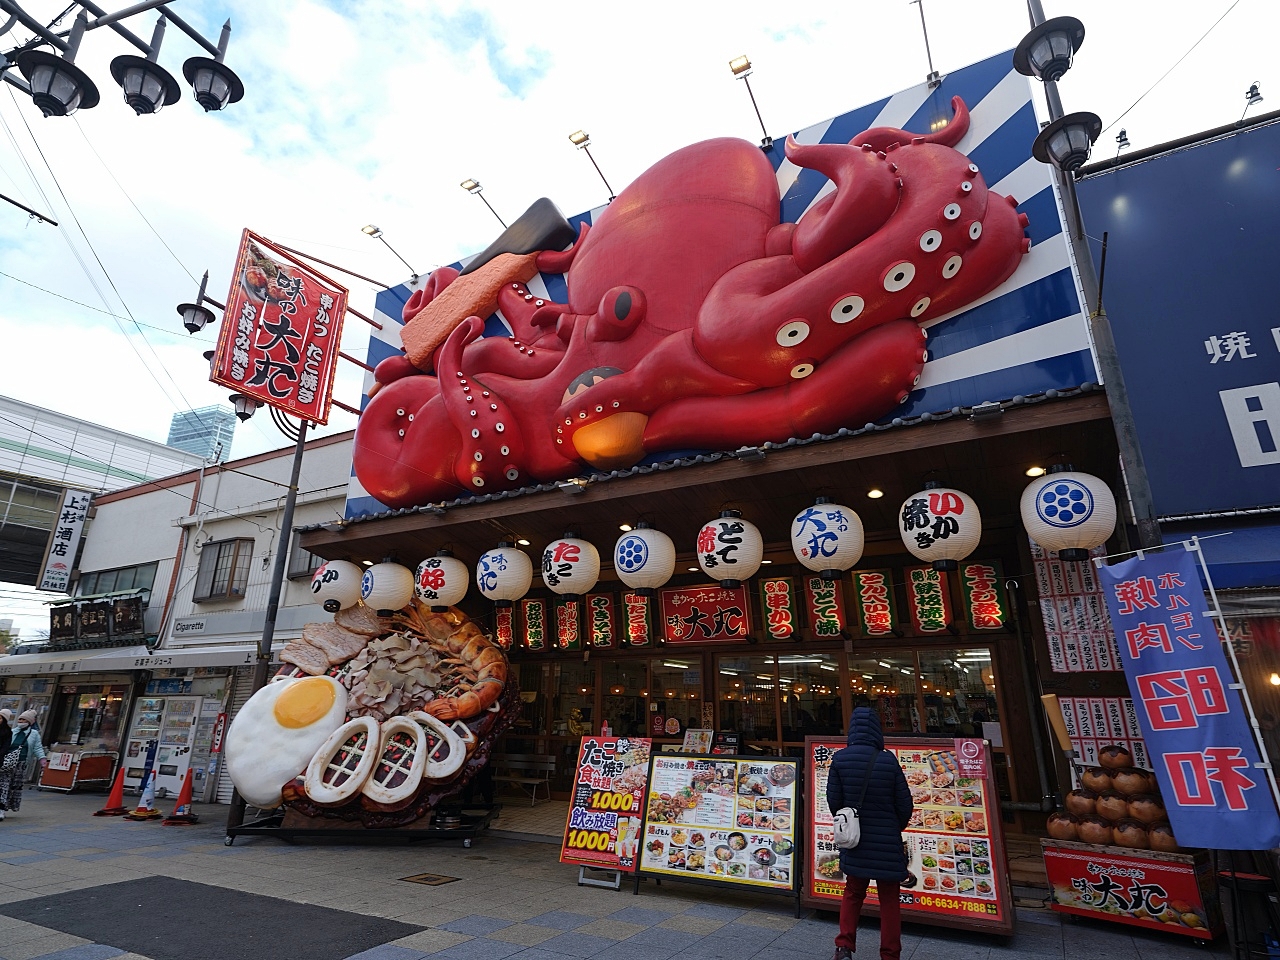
(1197, 732)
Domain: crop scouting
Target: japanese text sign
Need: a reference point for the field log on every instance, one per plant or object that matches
(639, 611)
(980, 582)
(568, 624)
(603, 829)
(1194, 724)
(535, 624)
(877, 614)
(600, 619)
(281, 330)
(825, 599)
(928, 600)
(778, 597)
(64, 541)
(706, 613)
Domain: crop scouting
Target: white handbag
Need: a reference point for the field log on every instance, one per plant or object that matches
(848, 829)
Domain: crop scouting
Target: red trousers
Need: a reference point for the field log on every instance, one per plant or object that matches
(855, 892)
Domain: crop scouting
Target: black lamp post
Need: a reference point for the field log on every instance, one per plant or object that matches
(58, 87)
(148, 87)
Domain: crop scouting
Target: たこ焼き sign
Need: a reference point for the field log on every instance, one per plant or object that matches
(281, 330)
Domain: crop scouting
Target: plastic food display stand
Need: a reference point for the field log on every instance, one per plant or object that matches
(87, 769)
(1170, 892)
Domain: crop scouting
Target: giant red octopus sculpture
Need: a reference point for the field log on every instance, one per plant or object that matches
(697, 320)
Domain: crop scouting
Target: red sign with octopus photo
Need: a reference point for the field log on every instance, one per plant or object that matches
(281, 330)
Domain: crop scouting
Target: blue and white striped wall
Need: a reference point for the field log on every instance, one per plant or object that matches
(1028, 335)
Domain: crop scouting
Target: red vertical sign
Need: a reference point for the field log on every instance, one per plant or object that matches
(778, 594)
(639, 611)
(826, 607)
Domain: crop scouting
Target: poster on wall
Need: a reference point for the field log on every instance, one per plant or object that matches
(957, 873)
(603, 826)
(722, 819)
(1077, 627)
(1196, 730)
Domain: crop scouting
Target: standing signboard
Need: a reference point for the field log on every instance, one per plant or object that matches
(603, 826)
(958, 876)
(720, 819)
(281, 330)
(1196, 730)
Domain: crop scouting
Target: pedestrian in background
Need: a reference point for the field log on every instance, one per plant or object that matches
(882, 816)
(24, 743)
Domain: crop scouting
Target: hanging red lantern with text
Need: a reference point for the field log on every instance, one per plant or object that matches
(827, 538)
(778, 598)
(730, 549)
(570, 567)
(940, 525)
(928, 600)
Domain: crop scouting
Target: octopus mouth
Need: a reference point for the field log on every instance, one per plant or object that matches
(587, 380)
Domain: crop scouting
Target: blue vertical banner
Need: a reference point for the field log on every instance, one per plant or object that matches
(1197, 732)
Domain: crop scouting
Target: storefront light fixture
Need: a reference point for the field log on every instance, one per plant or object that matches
(1034, 472)
(693, 569)
(523, 542)
(675, 664)
(741, 68)
(1275, 679)
(875, 493)
(624, 527)
(582, 140)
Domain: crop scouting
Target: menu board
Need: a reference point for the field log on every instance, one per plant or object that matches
(722, 819)
(603, 826)
(957, 873)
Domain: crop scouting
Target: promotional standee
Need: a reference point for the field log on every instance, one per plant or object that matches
(603, 827)
(957, 873)
(724, 820)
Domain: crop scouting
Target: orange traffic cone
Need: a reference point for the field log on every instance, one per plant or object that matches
(115, 801)
(146, 809)
(182, 815)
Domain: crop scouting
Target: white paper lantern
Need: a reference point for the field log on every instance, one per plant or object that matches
(644, 558)
(940, 525)
(504, 574)
(1069, 512)
(730, 549)
(570, 567)
(827, 538)
(387, 586)
(336, 585)
(442, 580)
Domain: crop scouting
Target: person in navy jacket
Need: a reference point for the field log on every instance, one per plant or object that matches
(883, 816)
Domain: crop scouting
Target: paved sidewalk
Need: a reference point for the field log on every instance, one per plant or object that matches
(103, 888)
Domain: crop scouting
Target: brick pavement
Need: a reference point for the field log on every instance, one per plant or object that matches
(512, 900)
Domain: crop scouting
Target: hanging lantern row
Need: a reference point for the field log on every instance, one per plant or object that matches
(1064, 511)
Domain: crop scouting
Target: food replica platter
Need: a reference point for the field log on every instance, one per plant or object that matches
(957, 872)
(373, 722)
(723, 820)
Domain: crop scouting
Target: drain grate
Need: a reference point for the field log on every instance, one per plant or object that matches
(430, 879)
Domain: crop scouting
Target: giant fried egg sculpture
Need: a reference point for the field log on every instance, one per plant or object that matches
(278, 731)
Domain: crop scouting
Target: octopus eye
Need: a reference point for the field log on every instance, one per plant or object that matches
(973, 168)
(478, 481)
(930, 240)
(951, 211)
(975, 230)
(801, 370)
(512, 473)
(847, 308)
(789, 334)
(951, 267)
(505, 450)
(479, 456)
(921, 306)
(899, 275)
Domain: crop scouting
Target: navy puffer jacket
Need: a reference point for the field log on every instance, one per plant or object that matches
(887, 807)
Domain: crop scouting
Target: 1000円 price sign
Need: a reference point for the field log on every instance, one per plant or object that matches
(954, 844)
(722, 819)
(603, 827)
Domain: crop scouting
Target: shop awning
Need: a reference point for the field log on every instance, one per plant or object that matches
(71, 661)
(211, 655)
(1249, 556)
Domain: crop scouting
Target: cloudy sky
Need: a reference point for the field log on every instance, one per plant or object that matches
(374, 111)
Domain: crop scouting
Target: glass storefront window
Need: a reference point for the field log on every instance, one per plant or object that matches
(746, 688)
(959, 691)
(625, 700)
(533, 704)
(571, 708)
(676, 689)
(93, 716)
(809, 696)
(887, 683)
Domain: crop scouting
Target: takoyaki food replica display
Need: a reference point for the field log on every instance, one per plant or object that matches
(375, 717)
(1116, 804)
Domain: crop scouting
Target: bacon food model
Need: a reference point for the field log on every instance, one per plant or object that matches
(374, 719)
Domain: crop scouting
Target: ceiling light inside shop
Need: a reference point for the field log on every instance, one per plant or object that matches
(624, 527)
(1275, 679)
(875, 493)
(867, 676)
(1035, 471)
(827, 666)
(676, 664)
(766, 561)
(523, 542)
(693, 569)
(728, 673)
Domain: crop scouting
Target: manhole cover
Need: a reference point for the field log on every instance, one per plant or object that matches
(430, 879)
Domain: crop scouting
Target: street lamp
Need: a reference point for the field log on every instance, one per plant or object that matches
(1067, 141)
(148, 87)
(1046, 52)
(195, 316)
(246, 407)
(215, 84)
(57, 86)
(741, 68)
(582, 140)
(376, 232)
(473, 186)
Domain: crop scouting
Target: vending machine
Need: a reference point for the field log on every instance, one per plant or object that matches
(169, 722)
